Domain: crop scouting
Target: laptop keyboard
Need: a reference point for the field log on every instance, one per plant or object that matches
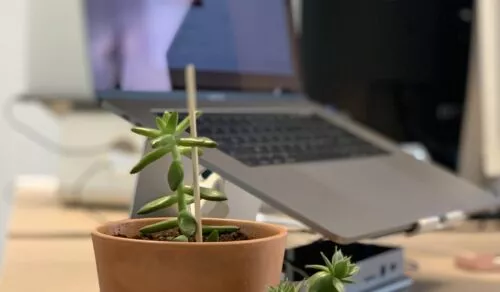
(268, 139)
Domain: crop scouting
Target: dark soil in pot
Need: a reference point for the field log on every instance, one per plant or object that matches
(170, 234)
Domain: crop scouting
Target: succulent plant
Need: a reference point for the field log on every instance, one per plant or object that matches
(333, 275)
(330, 277)
(167, 138)
(286, 286)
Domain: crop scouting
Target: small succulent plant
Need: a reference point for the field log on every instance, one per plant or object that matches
(286, 286)
(330, 277)
(167, 138)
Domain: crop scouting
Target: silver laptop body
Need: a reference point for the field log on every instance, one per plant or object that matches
(346, 199)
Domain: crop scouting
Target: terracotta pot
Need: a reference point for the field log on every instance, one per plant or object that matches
(129, 265)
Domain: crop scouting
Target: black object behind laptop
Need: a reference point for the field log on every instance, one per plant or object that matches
(399, 67)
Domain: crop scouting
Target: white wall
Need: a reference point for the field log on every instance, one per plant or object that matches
(56, 30)
(11, 76)
(18, 154)
(30, 158)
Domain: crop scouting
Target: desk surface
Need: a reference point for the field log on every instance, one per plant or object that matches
(50, 250)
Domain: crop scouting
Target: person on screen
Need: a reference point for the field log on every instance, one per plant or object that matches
(129, 40)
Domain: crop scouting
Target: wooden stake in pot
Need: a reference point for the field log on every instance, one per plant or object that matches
(190, 75)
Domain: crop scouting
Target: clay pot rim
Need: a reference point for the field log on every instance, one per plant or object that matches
(281, 231)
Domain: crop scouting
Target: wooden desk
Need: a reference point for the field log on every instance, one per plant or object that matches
(66, 263)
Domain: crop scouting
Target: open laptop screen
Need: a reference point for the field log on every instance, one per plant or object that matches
(144, 45)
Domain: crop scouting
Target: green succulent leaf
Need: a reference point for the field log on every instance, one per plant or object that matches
(213, 236)
(184, 124)
(318, 267)
(187, 151)
(321, 282)
(206, 193)
(163, 202)
(341, 269)
(327, 262)
(166, 140)
(158, 204)
(175, 175)
(181, 238)
(189, 199)
(353, 271)
(286, 286)
(166, 116)
(146, 132)
(150, 158)
(221, 229)
(172, 123)
(187, 223)
(337, 256)
(161, 124)
(159, 226)
(338, 285)
(197, 142)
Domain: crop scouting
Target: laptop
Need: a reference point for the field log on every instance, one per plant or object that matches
(336, 176)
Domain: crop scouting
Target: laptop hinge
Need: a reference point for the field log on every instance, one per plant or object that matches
(429, 224)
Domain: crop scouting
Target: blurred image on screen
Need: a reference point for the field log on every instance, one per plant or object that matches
(138, 45)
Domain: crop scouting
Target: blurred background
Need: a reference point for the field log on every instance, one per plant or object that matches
(418, 101)
(412, 79)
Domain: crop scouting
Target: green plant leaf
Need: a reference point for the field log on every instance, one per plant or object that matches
(338, 285)
(165, 116)
(186, 151)
(206, 193)
(159, 226)
(341, 269)
(172, 123)
(320, 282)
(347, 281)
(221, 229)
(213, 236)
(146, 132)
(175, 175)
(337, 256)
(353, 271)
(189, 199)
(197, 142)
(285, 286)
(181, 238)
(184, 124)
(318, 267)
(327, 262)
(161, 124)
(150, 158)
(187, 223)
(157, 204)
(166, 140)
(163, 202)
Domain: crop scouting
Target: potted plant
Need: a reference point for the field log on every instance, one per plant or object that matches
(187, 253)
(330, 277)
